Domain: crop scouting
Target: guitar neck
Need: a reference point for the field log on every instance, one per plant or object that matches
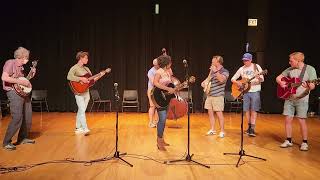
(93, 77)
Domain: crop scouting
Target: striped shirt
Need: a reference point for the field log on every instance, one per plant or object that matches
(217, 88)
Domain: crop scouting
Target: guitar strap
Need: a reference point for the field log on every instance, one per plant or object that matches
(303, 71)
(307, 91)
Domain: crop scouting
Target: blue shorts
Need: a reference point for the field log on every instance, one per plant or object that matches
(251, 101)
(292, 107)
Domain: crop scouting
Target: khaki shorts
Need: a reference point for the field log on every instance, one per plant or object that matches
(214, 103)
(149, 97)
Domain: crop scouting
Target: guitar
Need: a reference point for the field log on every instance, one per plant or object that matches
(236, 91)
(21, 90)
(161, 98)
(207, 85)
(80, 87)
(292, 86)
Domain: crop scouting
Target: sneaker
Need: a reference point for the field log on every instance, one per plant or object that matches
(9, 147)
(152, 125)
(247, 131)
(252, 133)
(221, 134)
(26, 141)
(79, 131)
(304, 147)
(211, 132)
(86, 132)
(287, 144)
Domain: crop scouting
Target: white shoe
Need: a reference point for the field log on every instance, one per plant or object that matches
(152, 125)
(211, 132)
(286, 144)
(304, 147)
(86, 132)
(79, 131)
(221, 134)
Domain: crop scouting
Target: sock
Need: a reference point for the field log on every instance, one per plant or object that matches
(289, 139)
(253, 126)
(249, 125)
(305, 141)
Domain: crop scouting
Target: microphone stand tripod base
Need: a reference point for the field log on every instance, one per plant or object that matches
(242, 152)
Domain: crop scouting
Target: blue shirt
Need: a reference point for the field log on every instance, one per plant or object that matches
(151, 74)
(217, 88)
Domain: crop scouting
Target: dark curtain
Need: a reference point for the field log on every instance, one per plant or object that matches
(294, 26)
(125, 36)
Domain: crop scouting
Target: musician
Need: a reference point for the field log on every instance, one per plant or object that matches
(75, 74)
(296, 103)
(251, 99)
(20, 107)
(215, 99)
(163, 77)
(153, 115)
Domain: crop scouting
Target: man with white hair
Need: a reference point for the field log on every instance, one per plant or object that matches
(153, 115)
(20, 107)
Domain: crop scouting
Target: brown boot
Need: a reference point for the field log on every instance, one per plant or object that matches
(160, 144)
(164, 143)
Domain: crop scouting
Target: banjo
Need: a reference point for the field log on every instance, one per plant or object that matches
(21, 90)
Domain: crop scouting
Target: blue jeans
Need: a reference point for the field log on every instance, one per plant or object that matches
(162, 113)
(82, 101)
(251, 101)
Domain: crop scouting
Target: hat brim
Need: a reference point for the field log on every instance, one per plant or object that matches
(244, 59)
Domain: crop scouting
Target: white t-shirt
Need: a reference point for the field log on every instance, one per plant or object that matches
(247, 73)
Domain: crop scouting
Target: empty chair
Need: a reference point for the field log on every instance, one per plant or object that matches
(184, 95)
(235, 104)
(95, 96)
(130, 99)
(38, 98)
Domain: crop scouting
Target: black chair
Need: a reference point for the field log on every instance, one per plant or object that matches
(38, 98)
(235, 104)
(130, 99)
(95, 96)
(184, 95)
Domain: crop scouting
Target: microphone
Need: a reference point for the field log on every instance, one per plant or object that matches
(116, 92)
(247, 47)
(185, 62)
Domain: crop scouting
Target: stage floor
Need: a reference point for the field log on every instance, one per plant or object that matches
(56, 140)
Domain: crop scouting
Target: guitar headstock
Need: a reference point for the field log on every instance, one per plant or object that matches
(108, 70)
(192, 79)
(34, 63)
(264, 72)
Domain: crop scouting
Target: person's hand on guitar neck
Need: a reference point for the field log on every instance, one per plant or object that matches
(309, 86)
(33, 72)
(84, 80)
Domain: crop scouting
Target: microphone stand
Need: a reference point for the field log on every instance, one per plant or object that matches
(117, 154)
(188, 157)
(242, 152)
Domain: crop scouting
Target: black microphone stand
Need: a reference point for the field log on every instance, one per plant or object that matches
(117, 154)
(188, 157)
(242, 152)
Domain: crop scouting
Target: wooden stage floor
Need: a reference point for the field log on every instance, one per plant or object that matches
(55, 140)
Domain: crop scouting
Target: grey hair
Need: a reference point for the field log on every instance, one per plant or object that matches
(21, 52)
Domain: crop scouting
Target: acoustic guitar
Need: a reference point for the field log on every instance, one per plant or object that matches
(292, 86)
(236, 91)
(161, 98)
(80, 87)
